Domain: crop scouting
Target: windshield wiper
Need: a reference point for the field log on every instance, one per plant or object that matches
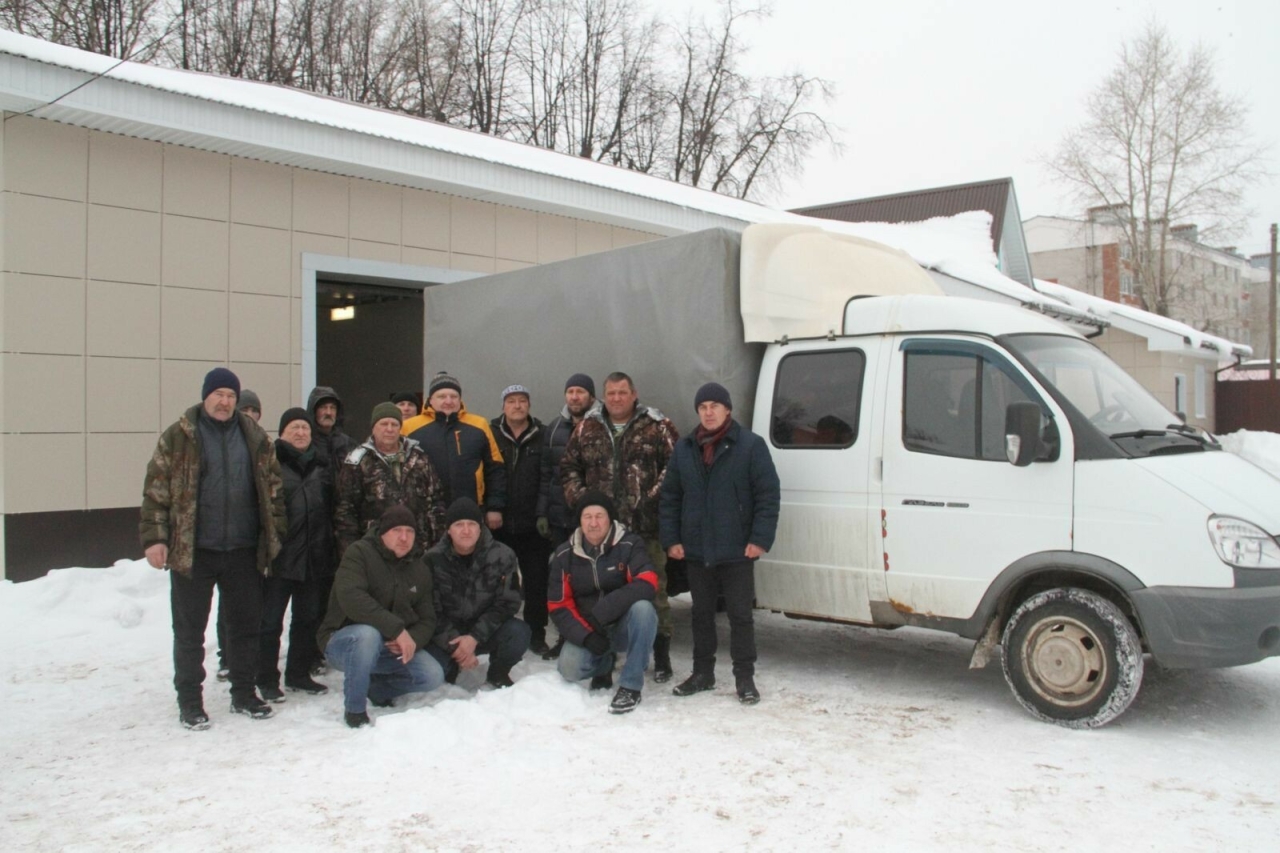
(1191, 432)
(1141, 433)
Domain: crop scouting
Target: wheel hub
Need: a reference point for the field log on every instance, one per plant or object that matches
(1065, 660)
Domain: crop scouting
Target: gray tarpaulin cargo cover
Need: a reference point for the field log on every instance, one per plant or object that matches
(666, 312)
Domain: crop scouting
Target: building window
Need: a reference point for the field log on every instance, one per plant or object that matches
(1126, 284)
(1126, 251)
(1180, 393)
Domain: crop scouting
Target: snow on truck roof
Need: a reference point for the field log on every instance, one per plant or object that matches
(921, 313)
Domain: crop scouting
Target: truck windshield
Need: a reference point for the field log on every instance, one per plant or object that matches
(1109, 398)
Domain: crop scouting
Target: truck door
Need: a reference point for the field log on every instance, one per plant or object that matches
(817, 417)
(956, 512)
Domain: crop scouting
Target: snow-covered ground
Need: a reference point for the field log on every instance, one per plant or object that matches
(864, 739)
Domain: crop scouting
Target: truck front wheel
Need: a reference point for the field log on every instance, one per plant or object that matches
(1071, 657)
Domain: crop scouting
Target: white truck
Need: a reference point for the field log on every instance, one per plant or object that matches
(945, 463)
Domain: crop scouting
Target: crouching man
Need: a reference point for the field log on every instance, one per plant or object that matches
(600, 595)
(381, 616)
(477, 594)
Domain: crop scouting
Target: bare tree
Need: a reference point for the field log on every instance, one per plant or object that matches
(124, 29)
(490, 29)
(1163, 145)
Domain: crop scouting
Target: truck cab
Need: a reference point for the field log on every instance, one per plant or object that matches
(984, 470)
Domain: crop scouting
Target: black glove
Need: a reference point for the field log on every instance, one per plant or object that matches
(595, 623)
(598, 644)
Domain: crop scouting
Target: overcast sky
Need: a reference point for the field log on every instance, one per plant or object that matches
(937, 93)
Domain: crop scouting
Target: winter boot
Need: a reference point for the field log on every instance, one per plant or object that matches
(554, 652)
(696, 683)
(224, 672)
(319, 667)
(193, 717)
(251, 706)
(662, 659)
(356, 721)
(747, 692)
(538, 642)
(382, 703)
(498, 679)
(305, 684)
(624, 701)
(602, 682)
(271, 693)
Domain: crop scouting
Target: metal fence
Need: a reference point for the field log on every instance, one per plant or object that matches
(1247, 404)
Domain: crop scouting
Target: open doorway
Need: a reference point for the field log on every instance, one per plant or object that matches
(368, 344)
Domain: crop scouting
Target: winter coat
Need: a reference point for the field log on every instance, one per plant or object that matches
(170, 494)
(374, 587)
(522, 459)
(227, 497)
(337, 444)
(465, 455)
(367, 488)
(551, 503)
(309, 550)
(628, 469)
(473, 596)
(716, 513)
(583, 588)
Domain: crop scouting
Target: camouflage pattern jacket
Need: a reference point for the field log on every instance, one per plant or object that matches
(367, 487)
(170, 494)
(629, 468)
(474, 598)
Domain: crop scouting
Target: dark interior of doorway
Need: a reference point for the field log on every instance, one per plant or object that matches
(374, 354)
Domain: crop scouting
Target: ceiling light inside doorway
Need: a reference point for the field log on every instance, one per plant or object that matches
(347, 313)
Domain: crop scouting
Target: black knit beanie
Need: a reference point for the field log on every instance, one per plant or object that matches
(295, 414)
(463, 509)
(596, 498)
(405, 397)
(396, 516)
(581, 380)
(217, 378)
(712, 392)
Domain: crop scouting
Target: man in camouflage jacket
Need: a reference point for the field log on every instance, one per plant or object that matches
(213, 513)
(384, 471)
(623, 452)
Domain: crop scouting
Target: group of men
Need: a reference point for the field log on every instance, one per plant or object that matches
(409, 556)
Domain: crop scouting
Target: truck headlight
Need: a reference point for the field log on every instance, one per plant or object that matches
(1244, 545)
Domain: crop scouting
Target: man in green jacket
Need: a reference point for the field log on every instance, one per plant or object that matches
(213, 512)
(381, 616)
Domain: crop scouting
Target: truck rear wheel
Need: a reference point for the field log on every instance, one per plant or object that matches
(1072, 658)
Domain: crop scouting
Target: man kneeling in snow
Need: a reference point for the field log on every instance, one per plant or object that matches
(381, 615)
(600, 595)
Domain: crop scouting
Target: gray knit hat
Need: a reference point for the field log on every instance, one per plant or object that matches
(443, 380)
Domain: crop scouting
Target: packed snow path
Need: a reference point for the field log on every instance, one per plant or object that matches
(863, 739)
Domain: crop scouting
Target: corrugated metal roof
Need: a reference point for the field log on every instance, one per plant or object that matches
(919, 205)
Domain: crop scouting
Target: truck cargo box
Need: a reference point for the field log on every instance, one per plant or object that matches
(665, 312)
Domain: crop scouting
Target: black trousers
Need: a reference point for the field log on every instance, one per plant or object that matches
(533, 553)
(505, 649)
(276, 594)
(324, 587)
(736, 581)
(239, 583)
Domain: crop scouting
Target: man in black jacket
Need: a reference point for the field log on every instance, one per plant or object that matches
(601, 598)
(477, 594)
(718, 509)
(519, 437)
(381, 617)
(304, 565)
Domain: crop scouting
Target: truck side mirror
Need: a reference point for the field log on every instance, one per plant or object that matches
(1022, 433)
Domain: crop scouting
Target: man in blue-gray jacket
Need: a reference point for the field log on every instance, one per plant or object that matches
(718, 511)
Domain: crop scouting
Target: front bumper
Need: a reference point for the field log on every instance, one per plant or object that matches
(1196, 628)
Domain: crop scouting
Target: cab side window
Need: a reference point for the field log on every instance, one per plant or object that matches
(954, 403)
(816, 399)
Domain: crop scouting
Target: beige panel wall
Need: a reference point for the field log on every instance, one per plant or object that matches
(130, 268)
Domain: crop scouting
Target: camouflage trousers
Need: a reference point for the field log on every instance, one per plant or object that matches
(658, 557)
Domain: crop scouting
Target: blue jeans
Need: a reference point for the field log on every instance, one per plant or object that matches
(374, 672)
(632, 634)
